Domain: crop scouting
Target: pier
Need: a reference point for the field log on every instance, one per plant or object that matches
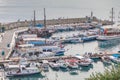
(59, 21)
(8, 39)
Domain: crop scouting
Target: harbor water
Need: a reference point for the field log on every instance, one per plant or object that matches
(73, 49)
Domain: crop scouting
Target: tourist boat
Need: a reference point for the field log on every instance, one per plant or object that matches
(72, 63)
(54, 66)
(83, 61)
(72, 40)
(109, 33)
(57, 50)
(106, 60)
(21, 69)
(18, 70)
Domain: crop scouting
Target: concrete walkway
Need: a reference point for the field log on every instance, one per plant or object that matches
(7, 39)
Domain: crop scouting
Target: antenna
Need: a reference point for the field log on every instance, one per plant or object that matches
(44, 19)
(34, 24)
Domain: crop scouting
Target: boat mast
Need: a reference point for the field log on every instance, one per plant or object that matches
(44, 19)
(34, 22)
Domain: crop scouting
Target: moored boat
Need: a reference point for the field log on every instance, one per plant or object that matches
(72, 63)
(54, 66)
(106, 60)
(83, 61)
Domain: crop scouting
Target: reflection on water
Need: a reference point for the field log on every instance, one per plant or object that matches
(108, 44)
(86, 69)
(32, 77)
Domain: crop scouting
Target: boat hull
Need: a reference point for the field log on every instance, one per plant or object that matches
(22, 74)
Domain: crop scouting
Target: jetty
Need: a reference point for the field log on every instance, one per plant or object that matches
(8, 41)
(59, 21)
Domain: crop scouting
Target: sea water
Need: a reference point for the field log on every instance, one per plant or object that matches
(82, 72)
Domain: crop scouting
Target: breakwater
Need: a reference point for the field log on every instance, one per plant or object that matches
(26, 23)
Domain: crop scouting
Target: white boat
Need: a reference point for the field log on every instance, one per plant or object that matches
(62, 64)
(14, 70)
(54, 65)
(84, 61)
(106, 60)
(21, 69)
(55, 49)
(109, 33)
(115, 59)
(72, 64)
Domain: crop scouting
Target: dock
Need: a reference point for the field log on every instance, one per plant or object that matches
(8, 38)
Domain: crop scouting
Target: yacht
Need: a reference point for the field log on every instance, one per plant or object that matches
(21, 69)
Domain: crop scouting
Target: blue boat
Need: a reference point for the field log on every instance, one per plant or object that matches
(88, 38)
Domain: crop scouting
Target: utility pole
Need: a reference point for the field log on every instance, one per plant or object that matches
(112, 16)
(44, 19)
(34, 21)
(91, 15)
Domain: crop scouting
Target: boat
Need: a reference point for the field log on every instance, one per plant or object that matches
(109, 33)
(72, 63)
(106, 60)
(20, 70)
(72, 40)
(62, 64)
(106, 37)
(88, 38)
(83, 61)
(45, 65)
(55, 49)
(23, 68)
(114, 59)
(54, 66)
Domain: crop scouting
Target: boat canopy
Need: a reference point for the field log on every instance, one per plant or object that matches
(29, 36)
(34, 39)
(13, 66)
(45, 61)
(25, 45)
(79, 57)
(37, 42)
